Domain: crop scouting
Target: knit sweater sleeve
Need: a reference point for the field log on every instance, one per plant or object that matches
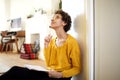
(47, 54)
(75, 61)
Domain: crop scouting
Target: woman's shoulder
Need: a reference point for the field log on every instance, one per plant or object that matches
(70, 37)
(72, 42)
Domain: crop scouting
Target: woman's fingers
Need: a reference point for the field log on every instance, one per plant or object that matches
(47, 40)
(54, 74)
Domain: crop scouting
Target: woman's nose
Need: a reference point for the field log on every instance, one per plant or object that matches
(53, 18)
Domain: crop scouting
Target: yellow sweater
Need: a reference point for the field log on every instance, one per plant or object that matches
(65, 58)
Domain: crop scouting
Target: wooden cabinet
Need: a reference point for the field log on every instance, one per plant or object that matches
(14, 38)
(20, 34)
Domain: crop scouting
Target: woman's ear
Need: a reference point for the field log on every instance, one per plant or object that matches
(64, 24)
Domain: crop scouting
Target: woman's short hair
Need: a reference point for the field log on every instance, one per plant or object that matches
(66, 18)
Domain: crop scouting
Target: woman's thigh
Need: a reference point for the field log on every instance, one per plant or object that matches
(15, 73)
(57, 79)
(21, 73)
(38, 75)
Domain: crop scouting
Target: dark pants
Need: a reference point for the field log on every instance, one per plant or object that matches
(21, 73)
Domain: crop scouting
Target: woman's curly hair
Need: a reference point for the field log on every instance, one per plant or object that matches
(66, 18)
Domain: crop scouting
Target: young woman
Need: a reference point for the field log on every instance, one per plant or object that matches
(62, 55)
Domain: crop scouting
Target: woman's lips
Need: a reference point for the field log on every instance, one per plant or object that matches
(52, 23)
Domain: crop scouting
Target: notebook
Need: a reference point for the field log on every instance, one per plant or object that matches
(35, 67)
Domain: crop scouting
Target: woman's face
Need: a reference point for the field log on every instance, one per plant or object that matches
(56, 21)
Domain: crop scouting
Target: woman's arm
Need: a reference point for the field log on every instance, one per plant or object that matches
(75, 59)
(55, 74)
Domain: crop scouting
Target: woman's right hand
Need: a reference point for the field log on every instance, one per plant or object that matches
(47, 40)
(54, 74)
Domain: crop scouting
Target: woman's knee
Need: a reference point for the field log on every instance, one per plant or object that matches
(15, 67)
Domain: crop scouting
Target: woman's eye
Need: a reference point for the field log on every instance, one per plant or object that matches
(57, 17)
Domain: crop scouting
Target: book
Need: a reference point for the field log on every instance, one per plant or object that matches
(35, 67)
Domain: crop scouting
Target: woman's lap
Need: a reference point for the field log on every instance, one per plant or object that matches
(21, 73)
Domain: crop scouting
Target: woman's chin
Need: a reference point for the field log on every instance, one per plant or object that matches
(50, 26)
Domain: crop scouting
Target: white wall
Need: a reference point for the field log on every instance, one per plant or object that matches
(22, 8)
(90, 38)
(3, 19)
(76, 9)
(107, 39)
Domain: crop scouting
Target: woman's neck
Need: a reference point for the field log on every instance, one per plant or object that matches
(61, 38)
(61, 35)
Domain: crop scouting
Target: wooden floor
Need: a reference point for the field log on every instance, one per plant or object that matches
(11, 59)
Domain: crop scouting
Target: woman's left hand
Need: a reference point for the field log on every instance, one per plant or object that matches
(54, 74)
